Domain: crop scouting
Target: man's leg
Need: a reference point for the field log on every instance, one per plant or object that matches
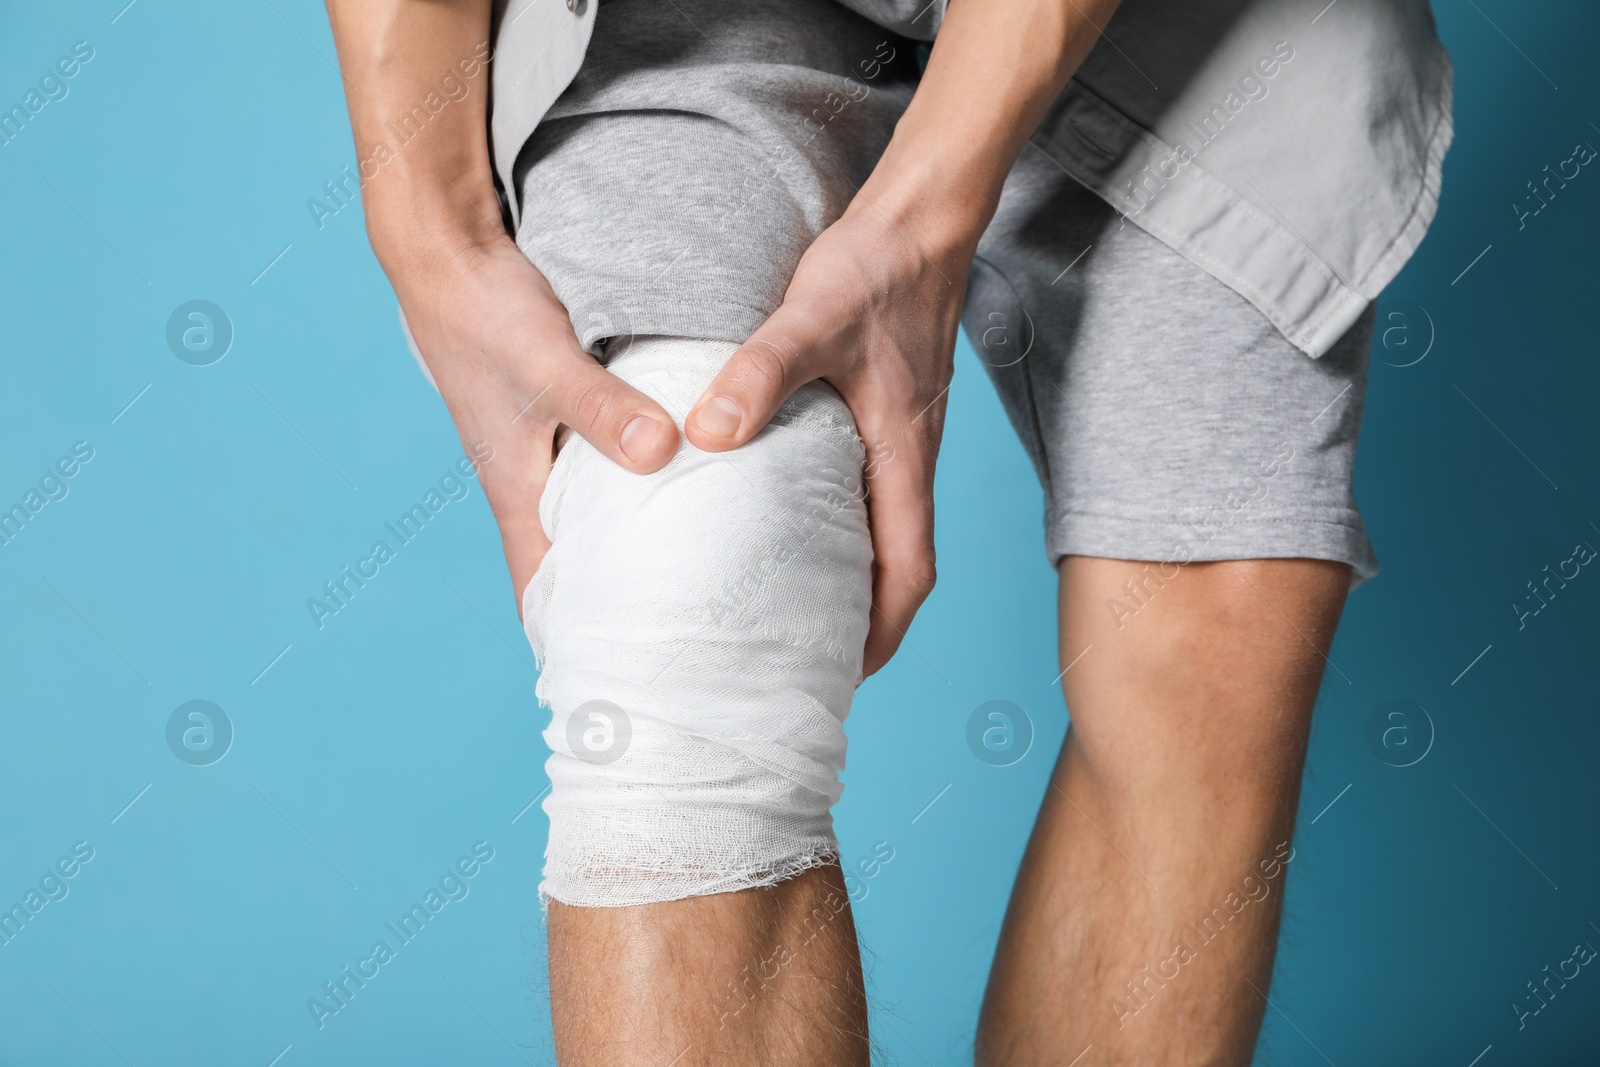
(761, 976)
(700, 633)
(1145, 917)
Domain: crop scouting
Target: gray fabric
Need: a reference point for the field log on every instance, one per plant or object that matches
(1292, 150)
(1168, 420)
(674, 185)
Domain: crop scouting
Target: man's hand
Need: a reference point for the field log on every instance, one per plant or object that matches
(872, 308)
(502, 350)
(497, 341)
(869, 313)
(875, 302)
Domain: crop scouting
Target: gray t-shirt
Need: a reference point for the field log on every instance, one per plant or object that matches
(703, 146)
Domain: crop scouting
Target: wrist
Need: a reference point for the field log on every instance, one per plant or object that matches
(414, 220)
(992, 74)
(920, 190)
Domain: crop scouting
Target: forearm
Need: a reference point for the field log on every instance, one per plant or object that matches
(417, 84)
(995, 68)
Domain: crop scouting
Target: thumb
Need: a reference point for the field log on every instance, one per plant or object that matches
(759, 376)
(622, 423)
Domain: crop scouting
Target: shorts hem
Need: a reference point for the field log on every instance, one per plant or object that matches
(1171, 540)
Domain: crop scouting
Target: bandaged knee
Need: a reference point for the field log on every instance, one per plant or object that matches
(699, 633)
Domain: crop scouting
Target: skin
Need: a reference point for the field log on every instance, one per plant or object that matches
(1178, 778)
(872, 309)
(769, 976)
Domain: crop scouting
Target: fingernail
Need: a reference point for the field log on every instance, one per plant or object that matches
(719, 417)
(638, 435)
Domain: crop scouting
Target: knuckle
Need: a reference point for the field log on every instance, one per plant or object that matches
(764, 367)
(594, 406)
(919, 576)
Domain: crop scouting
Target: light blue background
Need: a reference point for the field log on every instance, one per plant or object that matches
(376, 751)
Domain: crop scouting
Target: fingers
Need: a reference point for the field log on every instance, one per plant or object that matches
(624, 424)
(758, 378)
(513, 474)
(524, 542)
(900, 513)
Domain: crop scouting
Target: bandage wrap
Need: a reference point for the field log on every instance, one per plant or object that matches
(699, 633)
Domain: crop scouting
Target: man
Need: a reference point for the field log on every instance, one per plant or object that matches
(1167, 266)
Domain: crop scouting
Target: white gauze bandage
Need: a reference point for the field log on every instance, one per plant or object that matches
(699, 633)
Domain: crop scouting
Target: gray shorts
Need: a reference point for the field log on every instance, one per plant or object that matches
(1167, 418)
